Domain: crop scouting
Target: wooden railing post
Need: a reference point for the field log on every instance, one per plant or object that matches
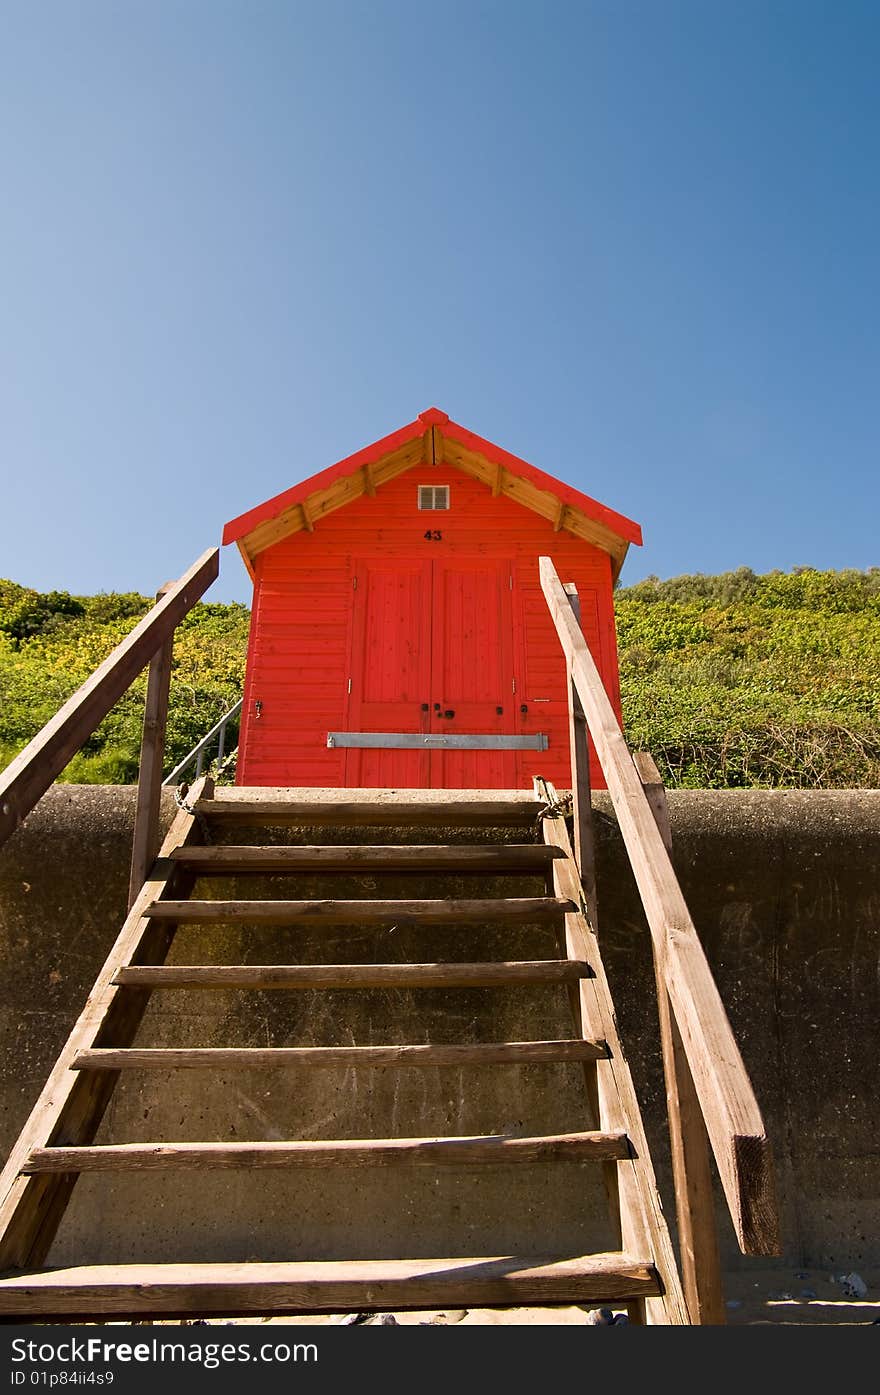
(145, 844)
(726, 1098)
(26, 779)
(689, 1142)
(581, 795)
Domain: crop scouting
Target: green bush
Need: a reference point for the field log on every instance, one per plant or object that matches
(743, 680)
(50, 644)
(730, 681)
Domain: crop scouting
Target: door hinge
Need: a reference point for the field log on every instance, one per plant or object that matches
(513, 685)
(349, 685)
(354, 583)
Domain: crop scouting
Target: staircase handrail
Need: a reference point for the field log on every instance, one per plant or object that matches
(726, 1099)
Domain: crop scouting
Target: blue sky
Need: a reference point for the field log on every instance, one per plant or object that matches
(633, 241)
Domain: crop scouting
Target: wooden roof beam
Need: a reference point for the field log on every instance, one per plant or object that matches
(432, 446)
(308, 521)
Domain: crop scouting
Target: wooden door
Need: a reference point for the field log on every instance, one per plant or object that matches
(472, 671)
(390, 670)
(432, 654)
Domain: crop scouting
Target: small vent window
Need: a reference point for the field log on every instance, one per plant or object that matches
(433, 496)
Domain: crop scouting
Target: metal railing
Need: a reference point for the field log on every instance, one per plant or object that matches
(199, 752)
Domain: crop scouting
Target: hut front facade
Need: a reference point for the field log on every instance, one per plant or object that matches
(399, 636)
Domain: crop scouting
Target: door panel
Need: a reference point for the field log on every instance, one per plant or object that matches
(437, 632)
(472, 670)
(390, 669)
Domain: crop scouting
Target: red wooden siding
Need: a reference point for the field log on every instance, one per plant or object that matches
(460, 622)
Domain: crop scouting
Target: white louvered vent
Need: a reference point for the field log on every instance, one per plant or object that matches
(433, 496)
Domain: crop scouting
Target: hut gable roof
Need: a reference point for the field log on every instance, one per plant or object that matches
(429, 440)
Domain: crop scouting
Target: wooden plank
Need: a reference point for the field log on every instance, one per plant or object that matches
(483, 1053)
(71, 1105)
(641, 1210)
(498, 481)
(501, 857)
(308, 521)
(571, 935)
(559, 520)
(369, 481)
(513, 909)
(689, 1143)
(581, 794)
(327, 1286)
(730, 1110)
(33, 770)
(356, 814)
(145, 844)
(316, 976)
(347, 1152)
(334, 496)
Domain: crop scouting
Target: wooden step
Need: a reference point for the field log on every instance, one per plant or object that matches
(428, 857)
(530, 909)
(494, 1053)
(372, 812)
(354, 1152)
(267, 976)
(327, 1286)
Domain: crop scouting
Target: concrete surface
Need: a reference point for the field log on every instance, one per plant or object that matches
(784, 891)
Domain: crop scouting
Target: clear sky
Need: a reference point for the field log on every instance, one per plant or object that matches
(633, 241)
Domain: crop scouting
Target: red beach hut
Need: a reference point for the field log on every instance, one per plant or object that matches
(399, 635)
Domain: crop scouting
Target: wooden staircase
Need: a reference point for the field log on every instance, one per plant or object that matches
(532, 927)
(57, 1145)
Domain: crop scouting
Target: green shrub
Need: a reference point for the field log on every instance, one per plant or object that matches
(731, 681)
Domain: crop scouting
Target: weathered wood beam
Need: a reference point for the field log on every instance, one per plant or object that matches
(319, 976)
(529, 909)
(317, 812)
(641, 1218)
(27, 778)
(71, 1104)
(581, 794)
(145, 844)
(327, 1285)
(733, 1120)
(220, 860)
(346, 1152)
(689, 1143)
(481, 1053)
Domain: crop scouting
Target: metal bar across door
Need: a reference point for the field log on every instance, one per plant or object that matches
(404, 740)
